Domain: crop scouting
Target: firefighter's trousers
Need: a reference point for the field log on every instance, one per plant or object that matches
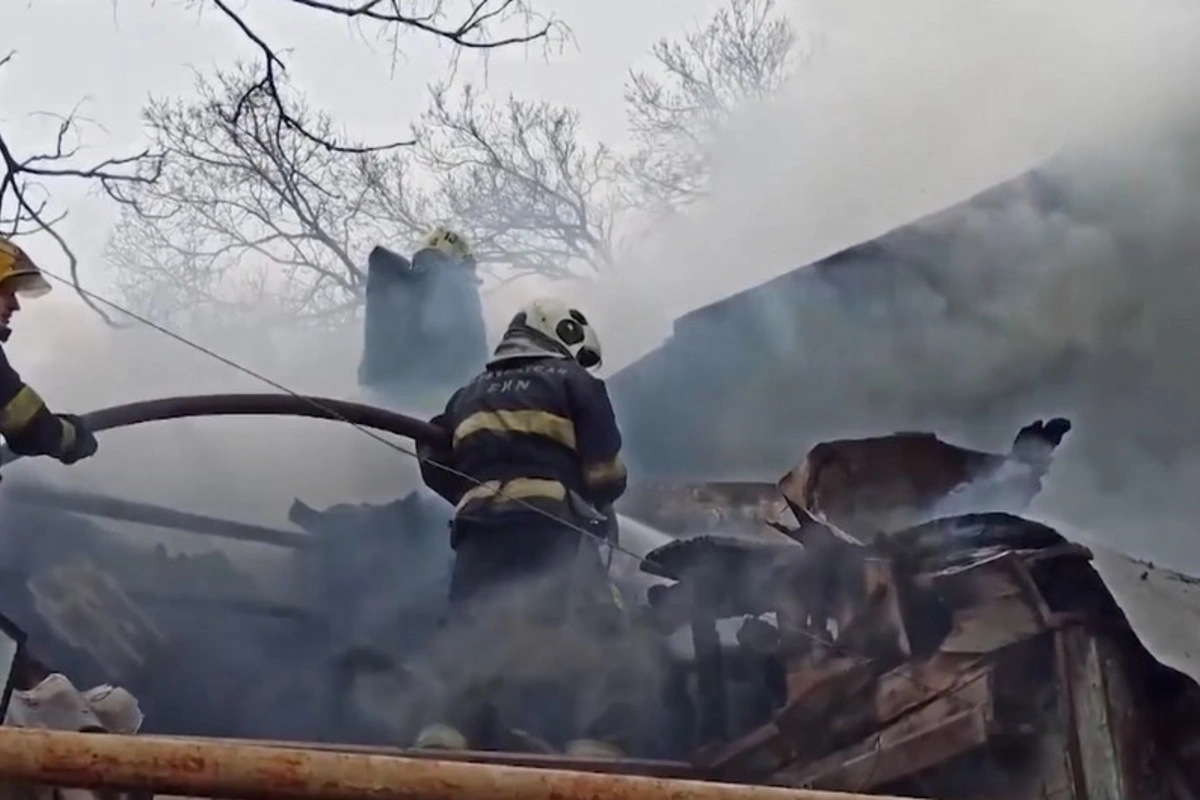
(532, 641)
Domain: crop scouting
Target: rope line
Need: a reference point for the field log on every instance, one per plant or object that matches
(245, 370)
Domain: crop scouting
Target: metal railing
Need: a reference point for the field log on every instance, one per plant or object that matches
(240, 770)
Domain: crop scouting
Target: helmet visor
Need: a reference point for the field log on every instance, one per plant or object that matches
(26, 283)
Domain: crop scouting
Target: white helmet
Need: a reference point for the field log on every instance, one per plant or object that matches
(566, 329)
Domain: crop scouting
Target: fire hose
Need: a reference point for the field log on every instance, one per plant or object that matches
(265, 404)
(262, 404)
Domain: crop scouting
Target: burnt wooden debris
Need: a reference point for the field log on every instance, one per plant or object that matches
(919, 673)
(975, 655)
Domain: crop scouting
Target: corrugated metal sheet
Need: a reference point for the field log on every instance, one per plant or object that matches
(1163, 607)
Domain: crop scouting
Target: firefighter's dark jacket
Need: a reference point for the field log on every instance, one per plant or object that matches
(531, 431)
(28, 426)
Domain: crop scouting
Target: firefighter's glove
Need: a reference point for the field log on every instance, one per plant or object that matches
(78, 441)
(1056, 429)
(1051, 432)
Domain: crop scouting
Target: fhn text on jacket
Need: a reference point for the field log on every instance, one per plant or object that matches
(424, 333)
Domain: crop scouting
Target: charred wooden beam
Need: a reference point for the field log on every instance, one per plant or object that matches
(198, 602)
(810, 728)
(88, 609)
(1108, 752)
(713, 709)
(946, 727)
(109, 507)
(216, 769)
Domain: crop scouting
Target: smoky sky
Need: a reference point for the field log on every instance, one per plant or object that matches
(900, 110)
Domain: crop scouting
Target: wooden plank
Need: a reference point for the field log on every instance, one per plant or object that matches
(88, 609)
(943, 729)
(809, 728)
(986, 628)
(883, 628)
(922, 749)
(870, 625)
(811, 674)
(1029, 588)
(910, 685)
(976, 583)
(1099, 760)
(1050, 775)
(839, 711)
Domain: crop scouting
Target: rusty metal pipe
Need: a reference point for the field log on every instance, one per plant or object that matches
(627, 766)
(212, 768)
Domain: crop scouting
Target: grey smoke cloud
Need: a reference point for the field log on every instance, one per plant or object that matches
(903, 108)
(1068, 294)
(1084, 309)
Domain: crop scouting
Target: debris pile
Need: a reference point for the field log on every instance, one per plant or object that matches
(969, 655)
(898, 628)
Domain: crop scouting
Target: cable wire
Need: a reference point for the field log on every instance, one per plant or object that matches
(414, 454)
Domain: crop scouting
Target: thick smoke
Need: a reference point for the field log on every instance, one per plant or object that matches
(1066, 293)
(203, 464)
(380, 579)
(1082, 306)
(253, 639)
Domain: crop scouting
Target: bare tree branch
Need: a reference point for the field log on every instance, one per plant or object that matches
(25, 186)
(260, 206)
(467, 24)
(533, 197)
(472, 28)
(249, 212)
(744, 53)
(276, 140)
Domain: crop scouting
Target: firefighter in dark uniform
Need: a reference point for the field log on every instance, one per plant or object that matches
(423, 332)
(28, 427)
(536, 434)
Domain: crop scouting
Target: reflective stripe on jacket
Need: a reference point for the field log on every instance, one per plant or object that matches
(27, 425)
(530, 432)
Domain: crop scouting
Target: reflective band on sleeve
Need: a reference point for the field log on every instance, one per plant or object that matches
(606, 472)
(20, 411)
(516, 489)
(539, 423)
(68, 437)
(615, 593)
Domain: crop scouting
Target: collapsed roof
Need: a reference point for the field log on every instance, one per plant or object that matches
(726, 366)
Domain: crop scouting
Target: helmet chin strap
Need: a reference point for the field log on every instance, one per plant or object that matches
(528, 342)
(541, 339)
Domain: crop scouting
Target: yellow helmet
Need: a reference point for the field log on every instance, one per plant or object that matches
(18, 273)
(446, 241)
